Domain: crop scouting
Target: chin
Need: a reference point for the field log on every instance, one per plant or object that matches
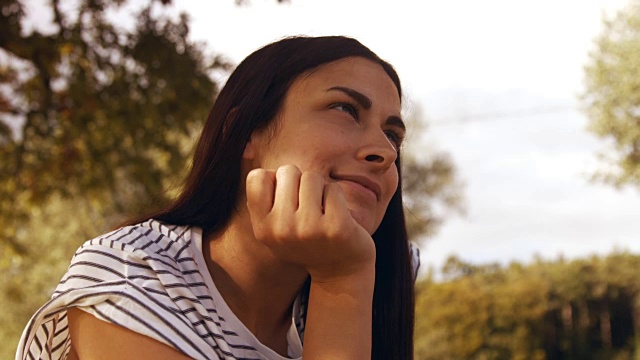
(365, 220)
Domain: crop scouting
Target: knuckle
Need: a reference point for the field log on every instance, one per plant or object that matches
(256, 175)
(333, 232)
(289, 169)
(256, 179)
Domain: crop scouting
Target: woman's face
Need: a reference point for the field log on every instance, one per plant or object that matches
(341, 120)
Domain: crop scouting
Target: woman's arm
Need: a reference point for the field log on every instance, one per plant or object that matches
(339, 318)
(305, 221)
(94, 339)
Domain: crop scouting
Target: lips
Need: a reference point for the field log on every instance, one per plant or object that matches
(363, 181)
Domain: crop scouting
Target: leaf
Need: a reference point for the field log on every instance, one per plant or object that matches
(612, 95)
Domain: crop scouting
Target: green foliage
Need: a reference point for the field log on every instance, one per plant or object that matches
(430, 183)
(92, 108)
(612, 96)
(50, 238)
(583, 309)
(95, 122)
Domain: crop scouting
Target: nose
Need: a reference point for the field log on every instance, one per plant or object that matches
(378, 151)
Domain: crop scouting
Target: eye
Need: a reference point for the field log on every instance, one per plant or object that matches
(347, 108)
(395, 138)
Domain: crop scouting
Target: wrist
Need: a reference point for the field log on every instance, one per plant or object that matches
(339, 318)
(357, 278)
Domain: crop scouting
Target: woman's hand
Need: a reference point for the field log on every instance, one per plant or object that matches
(305, 221)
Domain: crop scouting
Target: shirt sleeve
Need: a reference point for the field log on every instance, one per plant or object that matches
(121, 286)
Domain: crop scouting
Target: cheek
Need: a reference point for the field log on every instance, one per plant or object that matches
(392, 180)
(319, 147)
(392, 185)
(306, 154)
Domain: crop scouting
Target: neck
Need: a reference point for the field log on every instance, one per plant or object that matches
(259, 288)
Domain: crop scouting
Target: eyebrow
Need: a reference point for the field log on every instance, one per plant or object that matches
(366, 103)
(359, 97)
(396, 121)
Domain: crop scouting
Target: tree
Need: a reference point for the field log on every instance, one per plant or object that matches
(612, 95)
(89, 107)
(582, 309)
(430, 183)
(95, 118)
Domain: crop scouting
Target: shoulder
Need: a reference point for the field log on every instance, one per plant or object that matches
(142, 278)
(149, 237)
(150, 254)
(151, 245)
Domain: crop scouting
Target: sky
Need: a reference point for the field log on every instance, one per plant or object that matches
(497, 83)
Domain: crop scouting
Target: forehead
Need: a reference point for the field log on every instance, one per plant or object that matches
(357, 73)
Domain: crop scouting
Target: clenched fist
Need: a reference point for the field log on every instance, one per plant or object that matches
(305, 220)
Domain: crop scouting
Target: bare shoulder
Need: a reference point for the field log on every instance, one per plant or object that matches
(95, 339)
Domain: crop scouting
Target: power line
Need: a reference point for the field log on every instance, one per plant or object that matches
(502, 115)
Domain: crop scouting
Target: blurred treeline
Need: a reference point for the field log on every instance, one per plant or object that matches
(584, 309)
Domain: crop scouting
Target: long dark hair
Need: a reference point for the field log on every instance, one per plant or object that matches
(250, 100)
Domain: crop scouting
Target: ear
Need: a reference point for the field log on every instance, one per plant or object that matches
(251, 149)
(257, 141)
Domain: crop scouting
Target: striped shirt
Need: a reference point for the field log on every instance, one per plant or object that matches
(150, 278)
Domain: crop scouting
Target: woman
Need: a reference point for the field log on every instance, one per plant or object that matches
(292, 211)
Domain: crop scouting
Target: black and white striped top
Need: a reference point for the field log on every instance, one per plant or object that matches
(150, 278)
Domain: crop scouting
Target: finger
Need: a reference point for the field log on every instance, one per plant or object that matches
(335, 204)
(261, 186)
(287, 187)
(311, 194)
